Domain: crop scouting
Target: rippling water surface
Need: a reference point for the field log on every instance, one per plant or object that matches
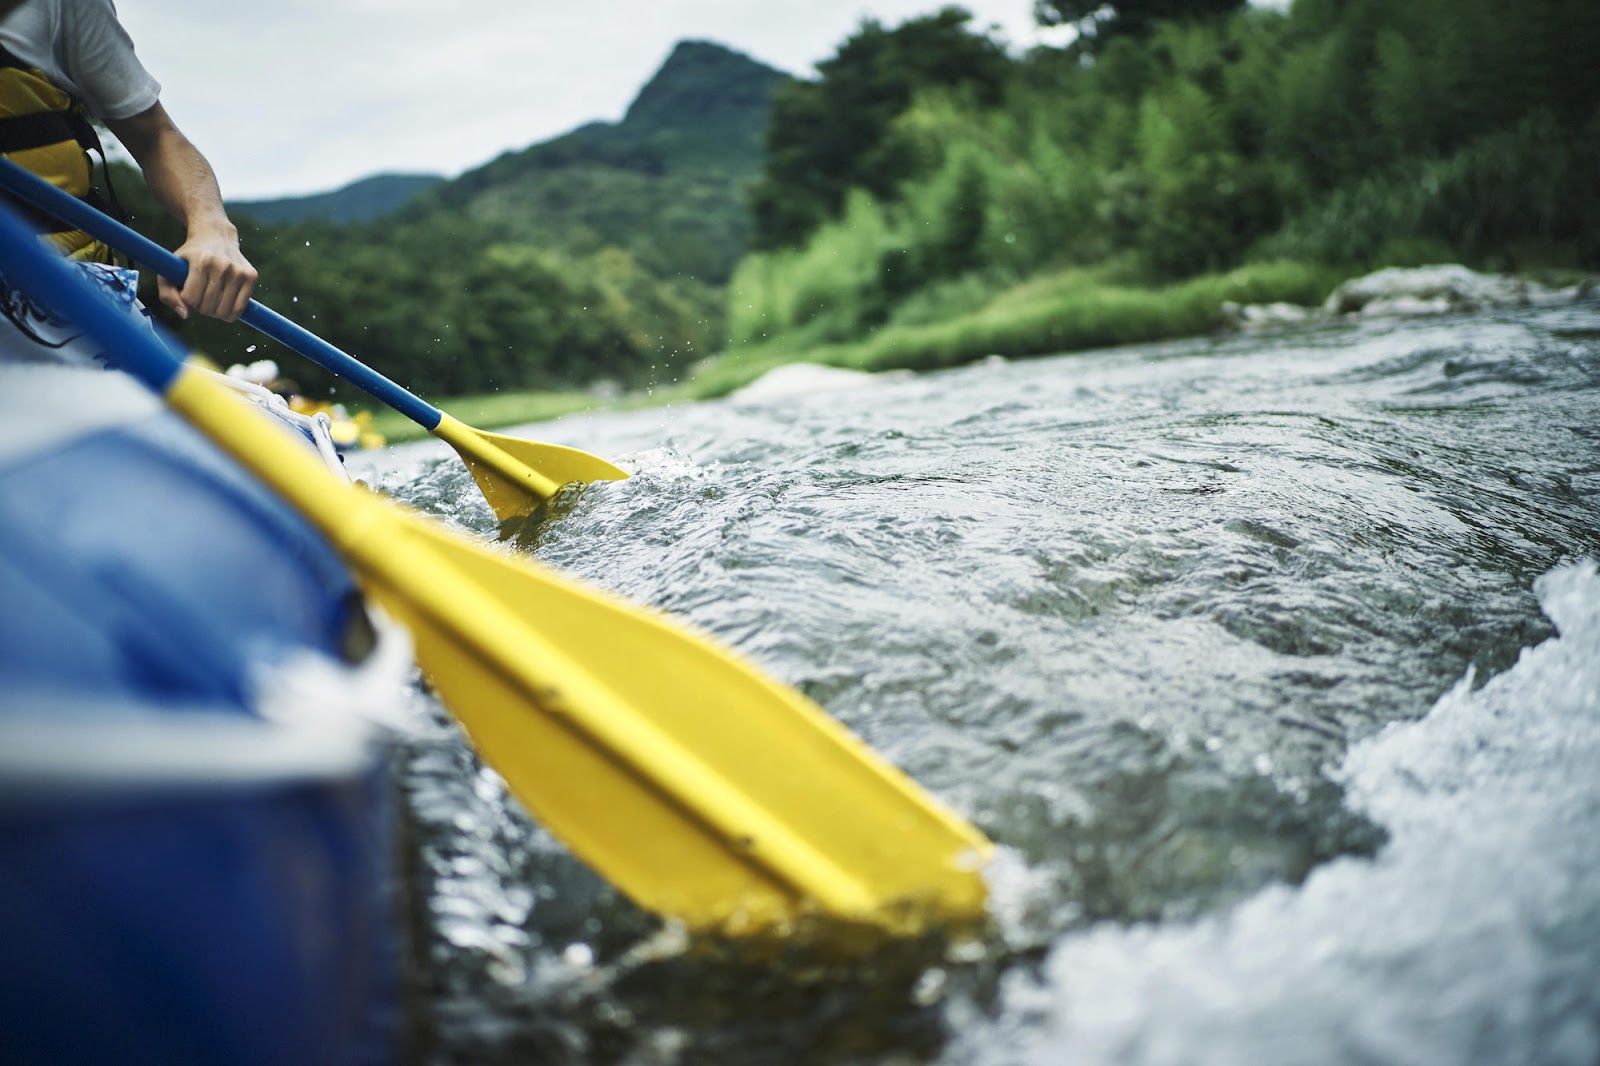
(1218, 640)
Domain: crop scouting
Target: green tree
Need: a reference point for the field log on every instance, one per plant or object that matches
(833, 134)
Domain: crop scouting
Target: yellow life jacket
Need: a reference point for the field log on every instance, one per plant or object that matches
(45, 130)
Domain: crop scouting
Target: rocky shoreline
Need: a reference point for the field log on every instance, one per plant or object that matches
(1406, 292)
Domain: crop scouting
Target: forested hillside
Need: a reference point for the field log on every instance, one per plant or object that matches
(1178, 139)
(599, 255)
(929, 197)
(664, 184)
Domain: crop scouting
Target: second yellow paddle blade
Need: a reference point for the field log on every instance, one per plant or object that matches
(517, 476)
(699, 787)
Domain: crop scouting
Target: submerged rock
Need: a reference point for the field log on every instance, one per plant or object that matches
(1408, 292)
(1434, 290)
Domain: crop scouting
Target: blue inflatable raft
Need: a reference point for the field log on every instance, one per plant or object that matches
(197, 837)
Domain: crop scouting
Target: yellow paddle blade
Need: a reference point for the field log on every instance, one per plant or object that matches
(517, 476)
(702, 789)
(699, 787)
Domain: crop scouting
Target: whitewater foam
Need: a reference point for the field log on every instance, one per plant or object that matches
(1472, 937)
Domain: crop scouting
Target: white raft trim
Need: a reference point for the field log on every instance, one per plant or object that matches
(88, 752)
(47, 406)
(320, 721)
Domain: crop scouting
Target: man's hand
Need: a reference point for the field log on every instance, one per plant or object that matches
(220, 278)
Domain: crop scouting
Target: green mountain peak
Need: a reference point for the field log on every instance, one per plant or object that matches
(703, 83)
(664, 184)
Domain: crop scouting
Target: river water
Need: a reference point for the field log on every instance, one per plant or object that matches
(1271, 664)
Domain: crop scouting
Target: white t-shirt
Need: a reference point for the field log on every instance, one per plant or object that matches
(80, 45)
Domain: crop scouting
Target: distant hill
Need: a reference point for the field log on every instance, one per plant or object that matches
(360, 201)
(601, 254)
(665, 184)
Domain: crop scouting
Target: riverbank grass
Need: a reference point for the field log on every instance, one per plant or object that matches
(1072, 310)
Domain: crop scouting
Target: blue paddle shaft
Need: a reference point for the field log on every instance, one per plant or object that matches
(299, 339)
(46, 197)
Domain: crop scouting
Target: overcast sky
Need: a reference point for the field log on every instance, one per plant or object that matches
(295, 96)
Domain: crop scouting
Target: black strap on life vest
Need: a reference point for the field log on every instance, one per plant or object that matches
(20, 133)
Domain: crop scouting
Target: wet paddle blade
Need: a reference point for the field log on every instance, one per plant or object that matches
(698, 786)
(702, 789)
(518, 476)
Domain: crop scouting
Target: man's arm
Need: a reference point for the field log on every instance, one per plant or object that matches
(220, 278)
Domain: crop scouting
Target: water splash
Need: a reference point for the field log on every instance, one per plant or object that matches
(1473, 936)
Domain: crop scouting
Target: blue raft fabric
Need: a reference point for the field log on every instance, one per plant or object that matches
(143, 573)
